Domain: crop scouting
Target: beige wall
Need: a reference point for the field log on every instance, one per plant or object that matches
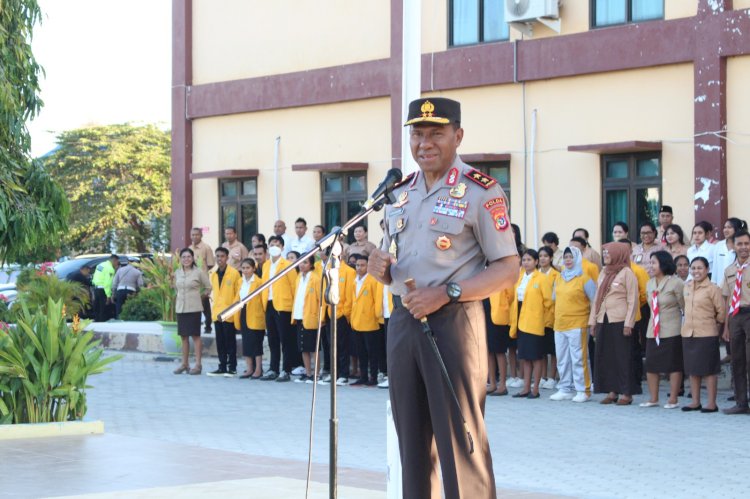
(234, 39)
(675, 9)
(738, 126)
(741, 4)
(356, 131)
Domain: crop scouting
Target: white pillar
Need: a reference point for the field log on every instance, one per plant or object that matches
(411, 73)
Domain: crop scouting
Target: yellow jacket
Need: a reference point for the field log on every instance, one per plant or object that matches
(365, 304)
(643, 277)
(536, 302)
(283, 289)
(549, 313)
(311, 307)
(572, 306)
(255, 309)
(379, 311)
(347, 286)
(500, 307)
(226, 294)
(590, 269)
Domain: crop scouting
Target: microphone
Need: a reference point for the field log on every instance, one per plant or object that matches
(393, 177)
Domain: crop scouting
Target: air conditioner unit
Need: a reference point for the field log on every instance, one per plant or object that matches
(520, 13)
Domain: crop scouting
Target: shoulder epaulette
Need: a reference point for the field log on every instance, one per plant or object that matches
(405, 180)
(480, 178)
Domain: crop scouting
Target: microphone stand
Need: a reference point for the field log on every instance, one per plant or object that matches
(332, 297)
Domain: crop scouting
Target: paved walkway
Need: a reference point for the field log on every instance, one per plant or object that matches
(539, 446)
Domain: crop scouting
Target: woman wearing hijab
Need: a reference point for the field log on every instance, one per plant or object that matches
(531, 299)
(704, 316)
(663, 341)
(573, 293)
(613, 318)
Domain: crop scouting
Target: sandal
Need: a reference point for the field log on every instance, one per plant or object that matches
(196, 370)
(624, 401)
(608, 400)
(182, 369)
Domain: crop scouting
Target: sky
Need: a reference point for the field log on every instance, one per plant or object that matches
(106, 61)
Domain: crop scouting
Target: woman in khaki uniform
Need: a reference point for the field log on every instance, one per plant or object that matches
(191, 283)
(613, 317)
(664, 350)
(704, 317)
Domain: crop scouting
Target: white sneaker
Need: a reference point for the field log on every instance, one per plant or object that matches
(298, 371)
(324, 382)
(342, 381)
(548, 384)
(326, 378)
(514, 382)
(382, 377)
(581, 397)
(561, 395)
(383, 384)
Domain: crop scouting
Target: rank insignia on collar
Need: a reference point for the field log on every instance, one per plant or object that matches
(480, 178)
(452, 177)
(458, 191)
(443, 243)
(403, 198)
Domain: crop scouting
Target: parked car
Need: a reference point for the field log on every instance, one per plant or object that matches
(65, 269)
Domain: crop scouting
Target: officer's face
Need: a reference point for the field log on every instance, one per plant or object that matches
(665, 218)
(230, 235)
(434, 146)
(196, 236)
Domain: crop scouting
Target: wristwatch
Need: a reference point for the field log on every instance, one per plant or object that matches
(454, 291)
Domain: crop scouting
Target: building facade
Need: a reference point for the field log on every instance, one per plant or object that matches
(291, 108)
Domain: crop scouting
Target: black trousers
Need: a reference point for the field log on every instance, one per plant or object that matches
(368, 347)
(206, 301)
(427, 423)
(342, 346)
(739, 336)
(383, 352)
(121, 295)
(326, 347)
(282, 338)
(226, 345)
(102, 310)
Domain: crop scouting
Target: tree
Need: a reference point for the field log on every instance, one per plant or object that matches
(33, 208)
(117, 180)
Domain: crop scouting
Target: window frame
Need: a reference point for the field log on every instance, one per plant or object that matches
(631, 184)
(344, 197)
(480, 21)
(628, 14)
(238, 202)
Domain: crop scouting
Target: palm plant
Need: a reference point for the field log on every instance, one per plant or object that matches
(159, 276)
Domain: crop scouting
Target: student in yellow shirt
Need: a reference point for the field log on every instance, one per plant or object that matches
(252, 321)
(550, 269)
(279, 298)
(225, 285)
(498, 341)
(306, 315)
(531, 300)
(573, 293)
(365, 323)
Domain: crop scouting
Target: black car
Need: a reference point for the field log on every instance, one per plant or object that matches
(64, 269)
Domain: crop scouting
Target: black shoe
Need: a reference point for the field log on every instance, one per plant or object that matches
(218, 372)
(689, 408)
(715, 409)
(359, 382)
(532, 396)
(302, 378)
(736, 410)
(372, 382)
(520, 395)
(231, 373)
(730, 399)
(284, 376)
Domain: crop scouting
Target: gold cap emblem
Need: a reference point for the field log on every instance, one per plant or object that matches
(427, 109)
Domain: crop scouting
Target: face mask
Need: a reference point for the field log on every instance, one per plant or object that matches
(274, 251)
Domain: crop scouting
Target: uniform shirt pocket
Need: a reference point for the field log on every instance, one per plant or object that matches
(448, 226)
(397, 225)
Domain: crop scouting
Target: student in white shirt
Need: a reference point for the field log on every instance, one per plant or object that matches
(701, 246)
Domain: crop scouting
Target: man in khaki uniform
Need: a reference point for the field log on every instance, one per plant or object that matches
(237, 250)
(448, 222)
(204, 256)
(736, 290)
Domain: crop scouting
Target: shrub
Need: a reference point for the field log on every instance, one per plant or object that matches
(4, 309)
(159, 277)
(143, 306)
(36, 287)
(44, 366)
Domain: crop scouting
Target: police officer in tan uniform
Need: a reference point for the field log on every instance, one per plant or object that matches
(447, 222)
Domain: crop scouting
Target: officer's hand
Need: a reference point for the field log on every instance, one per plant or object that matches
(378, 264)
(424, 301)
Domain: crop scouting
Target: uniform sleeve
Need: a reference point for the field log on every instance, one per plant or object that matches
(210, 262)
(720, 307)
(115, 282)
(679, 290)
(726, 290)
(492, 228)
(549, 304)
(205, 281)
(631, 288)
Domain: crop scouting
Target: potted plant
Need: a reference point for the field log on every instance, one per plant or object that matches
(159, 277)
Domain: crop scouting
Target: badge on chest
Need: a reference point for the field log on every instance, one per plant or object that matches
(450, 207)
